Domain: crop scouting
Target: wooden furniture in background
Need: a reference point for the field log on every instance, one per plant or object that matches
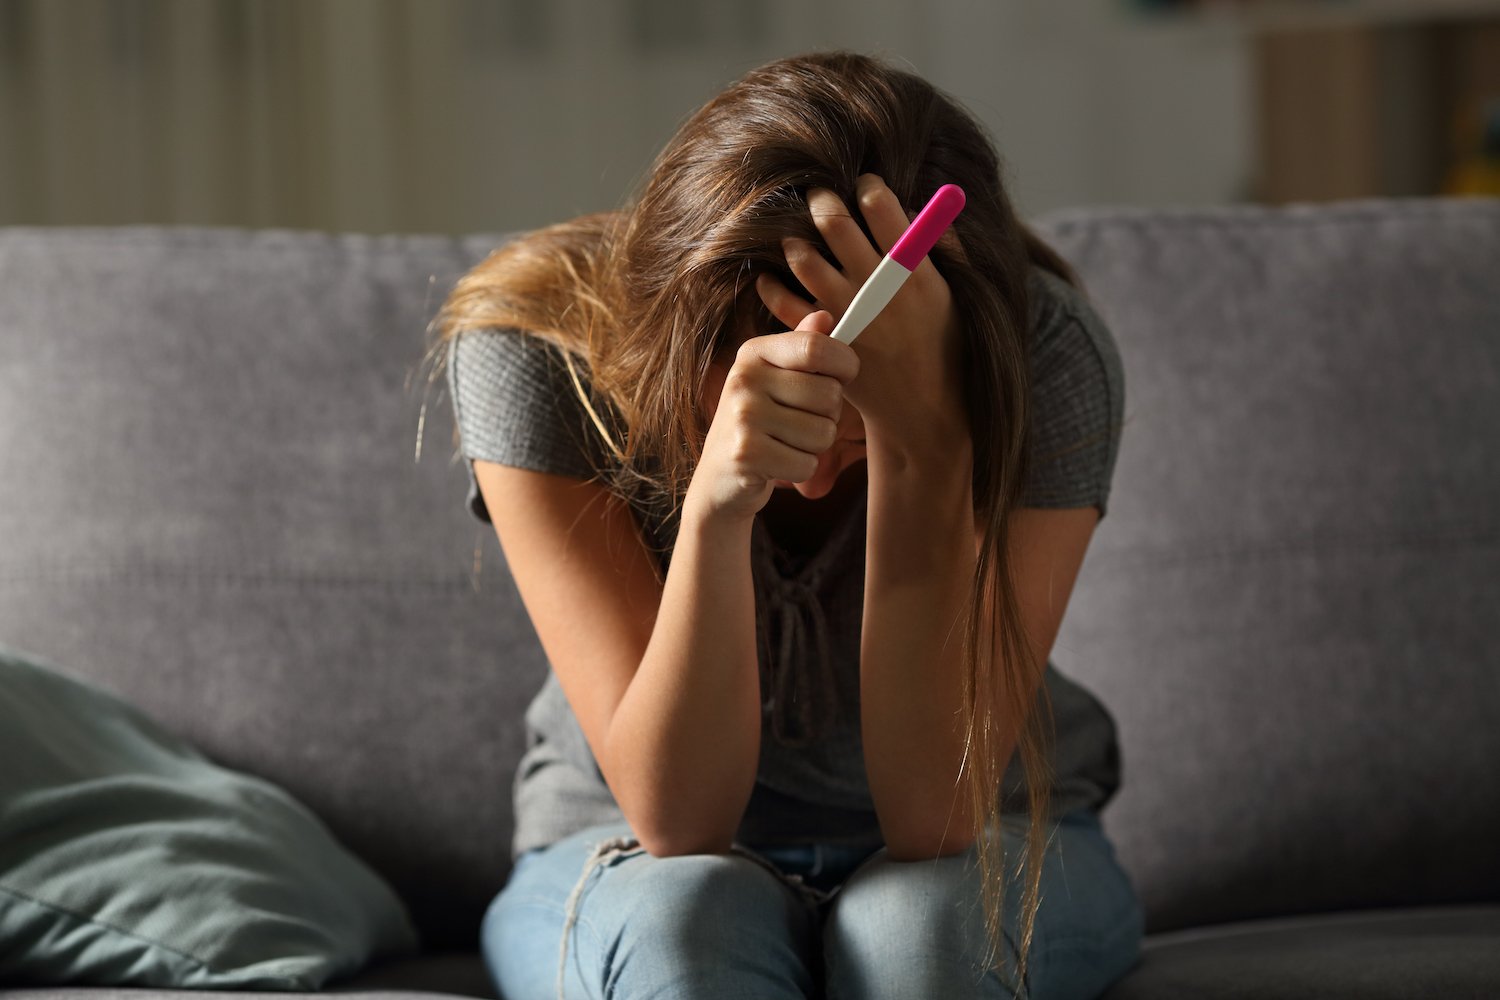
(1372, 110)
(1366, 98)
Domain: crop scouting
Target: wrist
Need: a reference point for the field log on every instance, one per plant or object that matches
(706, 518)
(926, 448)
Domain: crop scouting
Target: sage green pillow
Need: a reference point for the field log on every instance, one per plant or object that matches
(127, 858)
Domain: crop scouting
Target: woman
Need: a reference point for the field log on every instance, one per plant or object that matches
(798, 595)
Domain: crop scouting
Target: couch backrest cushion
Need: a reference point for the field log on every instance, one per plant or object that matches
(1291, 609)
(212, 504)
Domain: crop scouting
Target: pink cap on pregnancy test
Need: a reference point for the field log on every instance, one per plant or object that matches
(893, 270)
(928, 227)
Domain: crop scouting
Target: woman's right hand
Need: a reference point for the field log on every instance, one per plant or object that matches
(772, 414)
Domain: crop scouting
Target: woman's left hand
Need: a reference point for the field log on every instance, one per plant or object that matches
(908, 391)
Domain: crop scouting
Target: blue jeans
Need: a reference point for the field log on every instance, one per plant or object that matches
(801, 922)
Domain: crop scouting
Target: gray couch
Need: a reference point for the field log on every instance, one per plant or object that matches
(222, 500)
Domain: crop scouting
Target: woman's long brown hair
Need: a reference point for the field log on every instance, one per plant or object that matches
(646, 297)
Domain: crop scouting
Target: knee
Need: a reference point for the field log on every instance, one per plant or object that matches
(703, 926)
(932, 899)
(917, 923)
(703, 900)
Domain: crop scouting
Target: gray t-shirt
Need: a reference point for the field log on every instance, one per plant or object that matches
(515, 404)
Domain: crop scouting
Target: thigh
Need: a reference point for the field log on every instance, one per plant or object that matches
(917, 928)
(617, 921)
(1090, 922)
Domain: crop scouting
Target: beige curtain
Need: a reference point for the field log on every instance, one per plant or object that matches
(299, 113)
(361, 115)
(491, 115)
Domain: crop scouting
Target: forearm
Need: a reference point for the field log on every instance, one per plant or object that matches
(919, 565)
(684, 743)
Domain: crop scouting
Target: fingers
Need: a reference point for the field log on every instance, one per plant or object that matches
(842, 234)
(881, 210)
(834, 285)
(810, 393)
(805, 349)
(817, 275)
(888, 220)
(856, 255)
(820, 321)
(785, 304)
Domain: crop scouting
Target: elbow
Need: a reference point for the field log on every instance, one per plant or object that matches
(668, 823)
(674, 835)
(670, 837)
(916, 843)
(669, 848)
(927, 849)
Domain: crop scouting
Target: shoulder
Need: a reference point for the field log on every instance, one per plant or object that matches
(516, 402)
(475, 353)
(1078, 396)
(491, 366)
(1069, 333)
(1058, 307)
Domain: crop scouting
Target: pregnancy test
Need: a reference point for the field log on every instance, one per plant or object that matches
(891, 273)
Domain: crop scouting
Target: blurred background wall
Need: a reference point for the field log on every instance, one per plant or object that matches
(476, 115)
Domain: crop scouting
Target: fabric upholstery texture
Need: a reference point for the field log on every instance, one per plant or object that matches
(1292, 615)
(214, 502)
(1446, 951)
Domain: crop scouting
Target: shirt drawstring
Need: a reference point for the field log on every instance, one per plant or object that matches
(804, 690)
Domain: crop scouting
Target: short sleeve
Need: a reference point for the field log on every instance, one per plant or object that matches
(1078, 401)
(515, 404)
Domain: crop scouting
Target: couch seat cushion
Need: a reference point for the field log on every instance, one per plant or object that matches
(1447, 951)
(123, 993)
(457, 973)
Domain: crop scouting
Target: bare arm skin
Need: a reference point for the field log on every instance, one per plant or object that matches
(684, 743)
(661, 676)
(919, 560)
(921, 551)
